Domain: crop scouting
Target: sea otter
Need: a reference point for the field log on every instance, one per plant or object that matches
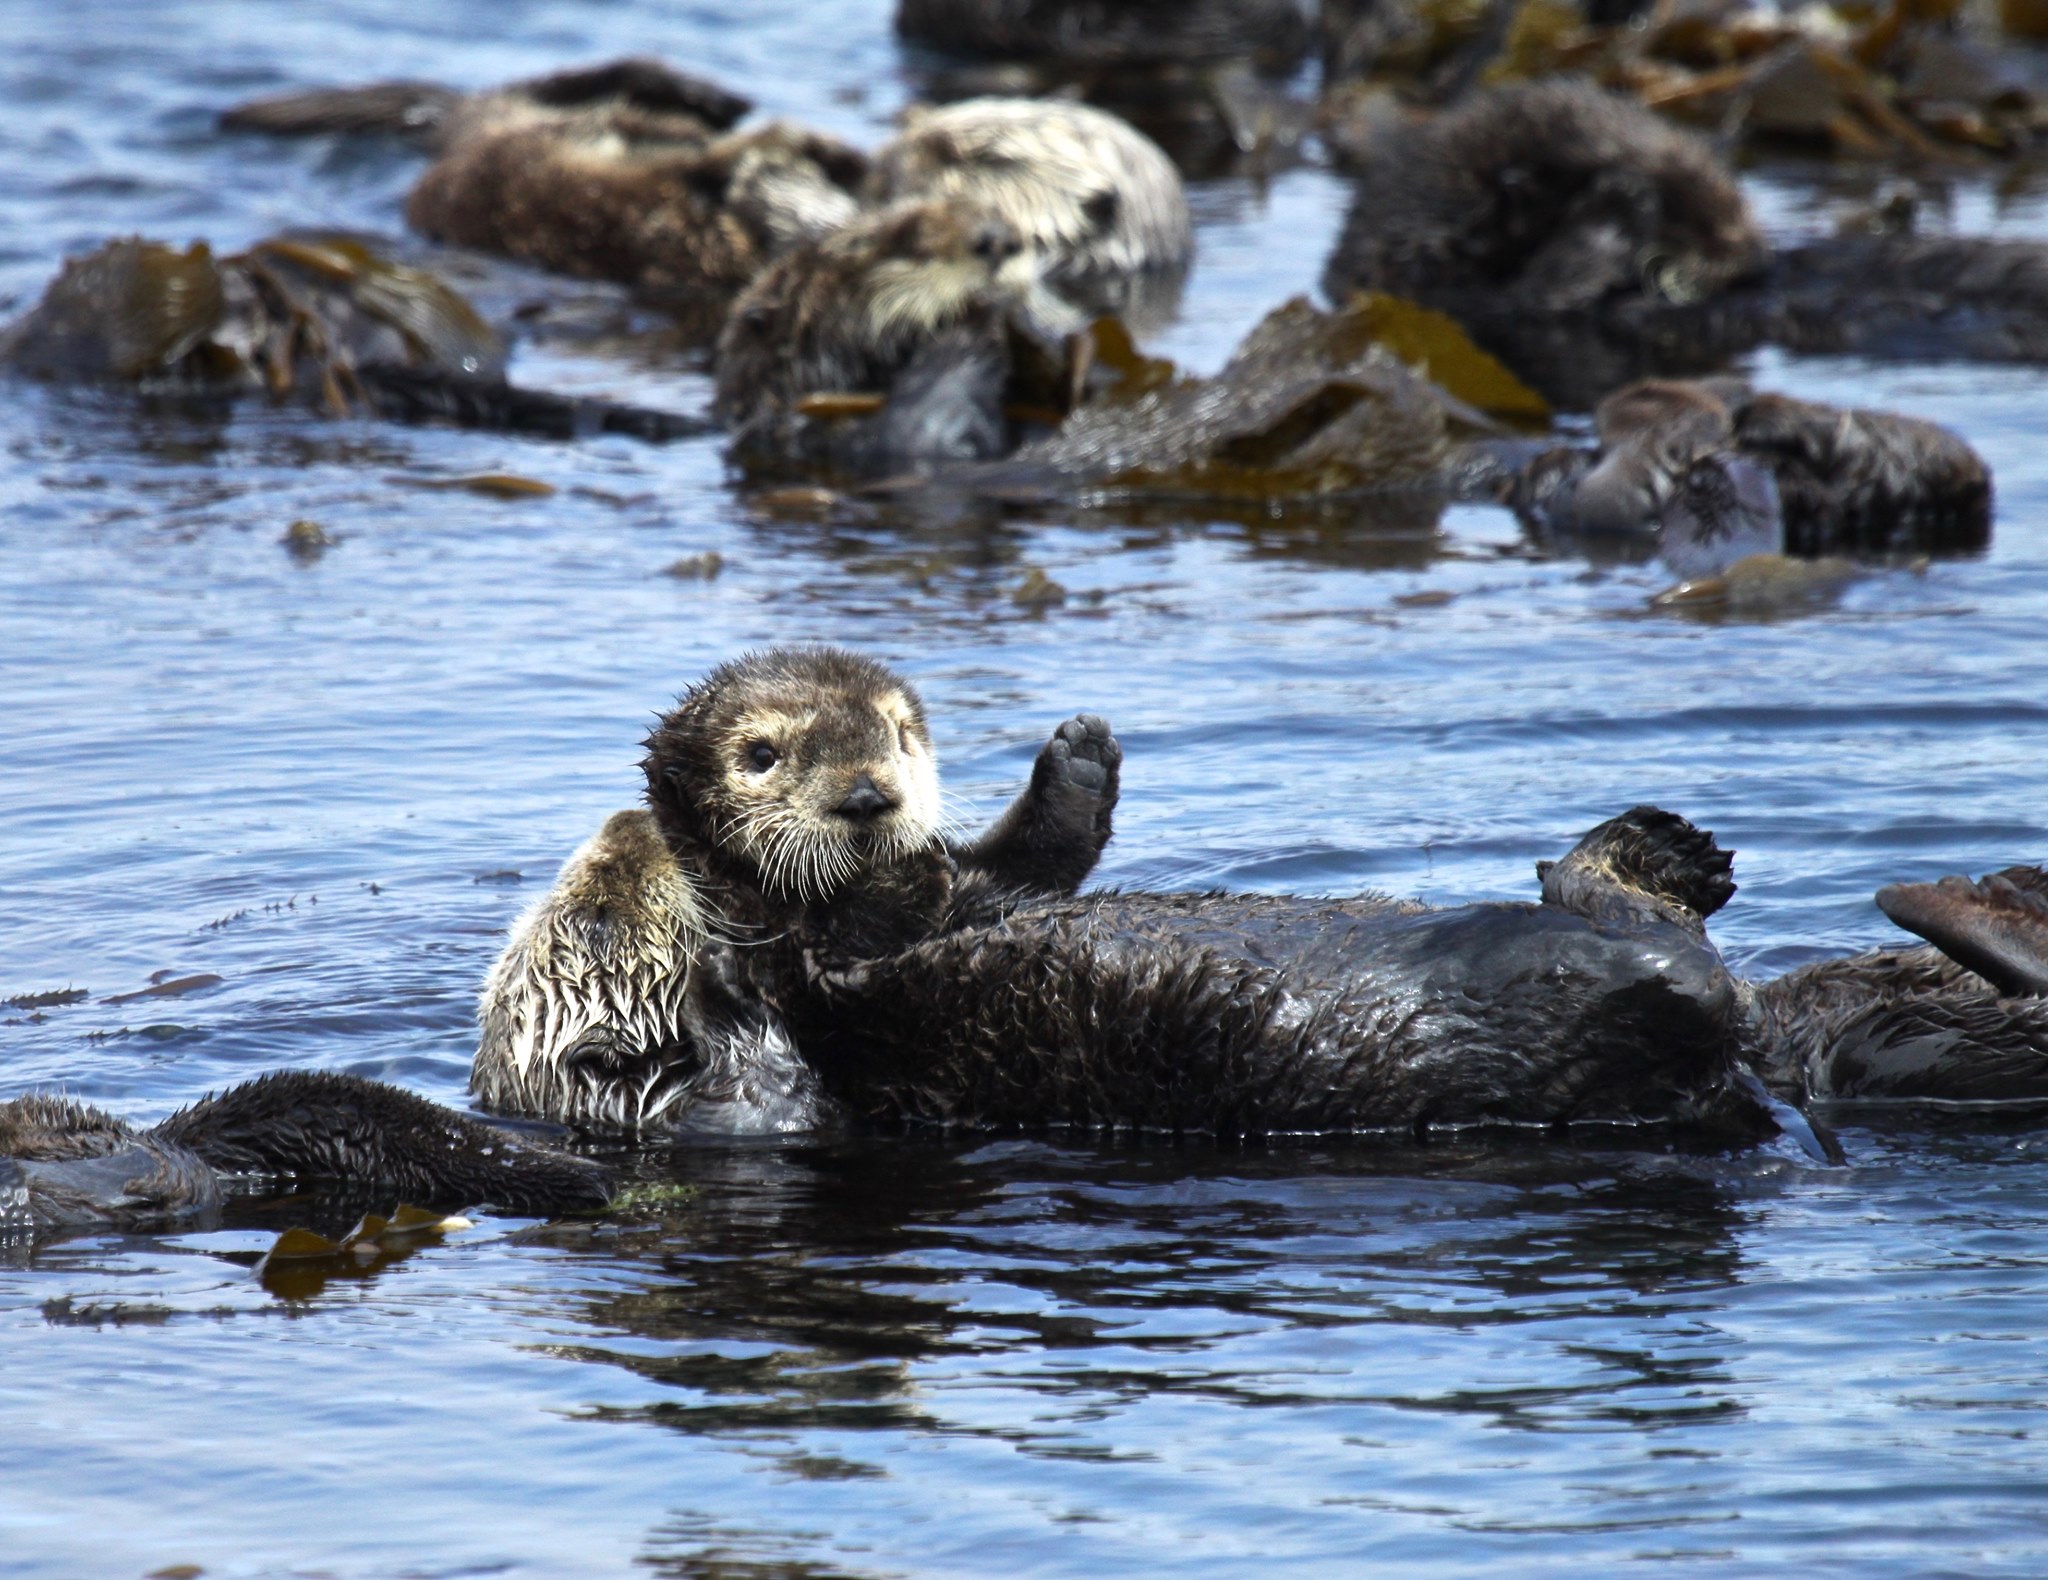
(1098, 201)
(600, 194)
(885, 342)
(793, 807)
(1586, 243)
(1715, 465)
(435, 114)
(64, 1165)
(319, 319)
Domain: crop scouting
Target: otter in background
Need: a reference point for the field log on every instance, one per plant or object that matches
(1720, 470)
(1586, 243)
(1098, 201)
(887, 341)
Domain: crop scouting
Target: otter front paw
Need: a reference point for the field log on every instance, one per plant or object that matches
(1077, 775)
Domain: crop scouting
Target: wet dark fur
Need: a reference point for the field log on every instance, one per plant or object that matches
(1846, 481)
(65, 1165)
(809, 326)
(423, 109)
(1247, 1015)
(661, 218)
(1272, 33)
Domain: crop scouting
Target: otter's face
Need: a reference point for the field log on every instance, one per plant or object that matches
(809, 767)
(936, 261)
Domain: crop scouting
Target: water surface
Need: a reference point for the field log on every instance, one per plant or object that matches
(332, 782)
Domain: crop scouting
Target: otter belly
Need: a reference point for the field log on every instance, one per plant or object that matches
(1263, 1014)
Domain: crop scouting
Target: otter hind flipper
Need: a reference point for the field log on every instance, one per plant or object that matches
(318, 1125)
(1997, 926)
(1051, 836)
(410, 109)
(643, 83)
(1646, 862)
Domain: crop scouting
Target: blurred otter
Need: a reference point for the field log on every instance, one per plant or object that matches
(1721, 471)
(323, 320)
(793, 809)
(686, 218)
(1546, 217)
(1099, 202)
(628, 172)
(887, 341)
(437, 115)
(1199, 77)
(64, 1165)
(1587, 243)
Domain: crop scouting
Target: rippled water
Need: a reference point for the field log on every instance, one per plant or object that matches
(332, 782)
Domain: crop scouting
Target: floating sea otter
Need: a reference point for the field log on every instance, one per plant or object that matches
(66, 1166)
(751, 956)
(1587, 242)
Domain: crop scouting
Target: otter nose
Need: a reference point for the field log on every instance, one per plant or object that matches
(864, 801)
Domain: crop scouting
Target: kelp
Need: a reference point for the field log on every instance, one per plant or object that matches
(1872, 81)
(1312, 404)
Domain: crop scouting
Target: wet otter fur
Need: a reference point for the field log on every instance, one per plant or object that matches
(66, 1165)
(1587, 243)
(1273, 34)
(1718, 466)
(436, 114)
(892, 309)
(793, 808)
(1248, 1015)
(685, 217)
(1097, 200)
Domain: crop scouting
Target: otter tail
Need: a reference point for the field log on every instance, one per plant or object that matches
(321, 1126)
(403, 109)
(420, 395)
(1646, 861)
(1996, 927)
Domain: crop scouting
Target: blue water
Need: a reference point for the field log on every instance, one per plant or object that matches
(332, 782)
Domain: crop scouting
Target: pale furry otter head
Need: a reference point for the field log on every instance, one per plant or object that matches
(1087, 191)
(846, 313)
(795, 770)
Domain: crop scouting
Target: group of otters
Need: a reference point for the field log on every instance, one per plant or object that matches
(781, 940)
(924, 309)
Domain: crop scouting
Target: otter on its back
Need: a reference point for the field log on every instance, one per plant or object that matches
(849, 314)
(793, 811)
(1086, 190)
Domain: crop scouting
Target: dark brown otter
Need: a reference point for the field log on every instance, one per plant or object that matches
(1259, 1015)
(323, 320)
(793, 810)
(1126, 33)
(686, 217)
(434, 114)
(1586, 243)
(1720, 471)
(1963, 1021)
(64, 1165)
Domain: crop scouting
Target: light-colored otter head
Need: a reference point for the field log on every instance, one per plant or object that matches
(796, 769)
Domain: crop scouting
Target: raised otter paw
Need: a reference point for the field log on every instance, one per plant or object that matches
(1079, 770)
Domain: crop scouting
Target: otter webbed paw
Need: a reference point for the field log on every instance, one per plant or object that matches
(1049, 839)
(1645, 862)
(1996, 927)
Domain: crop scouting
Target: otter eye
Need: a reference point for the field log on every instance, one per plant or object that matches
(761, 755)
(993, 244)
